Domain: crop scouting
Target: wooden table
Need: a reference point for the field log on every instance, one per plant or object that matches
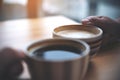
(19, 33)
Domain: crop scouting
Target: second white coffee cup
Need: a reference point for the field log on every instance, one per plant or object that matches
(90, 34)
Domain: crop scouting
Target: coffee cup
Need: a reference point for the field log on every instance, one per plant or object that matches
(57, 59)
(90, 34)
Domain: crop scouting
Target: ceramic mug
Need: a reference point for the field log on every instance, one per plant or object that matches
(57, 59)
(90, 34)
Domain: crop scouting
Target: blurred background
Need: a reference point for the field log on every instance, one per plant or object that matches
(74, 9)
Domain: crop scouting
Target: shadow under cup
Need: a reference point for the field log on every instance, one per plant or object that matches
(90, 34)
(57, 59)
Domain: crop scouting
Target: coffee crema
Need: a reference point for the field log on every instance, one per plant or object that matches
(56, 52)
(76, 34)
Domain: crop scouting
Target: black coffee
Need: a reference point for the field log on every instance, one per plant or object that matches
(57, 52)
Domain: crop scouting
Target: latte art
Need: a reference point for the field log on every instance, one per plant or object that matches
(76, 34)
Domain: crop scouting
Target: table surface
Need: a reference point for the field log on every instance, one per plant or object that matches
(19, 33)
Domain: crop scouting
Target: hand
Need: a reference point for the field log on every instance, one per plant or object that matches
(110, 27)
(10, 63)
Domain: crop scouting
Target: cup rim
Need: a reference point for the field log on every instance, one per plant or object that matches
(86, 52)
(99, 35)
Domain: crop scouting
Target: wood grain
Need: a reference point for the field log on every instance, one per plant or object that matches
(18, 33)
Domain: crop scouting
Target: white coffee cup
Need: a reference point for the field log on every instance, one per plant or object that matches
(45, 64)
(90, 34)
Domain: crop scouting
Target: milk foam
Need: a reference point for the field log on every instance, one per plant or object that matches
(76, 34)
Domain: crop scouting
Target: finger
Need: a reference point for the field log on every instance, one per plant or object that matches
(8, 55)
(93, 20)
(86, 22)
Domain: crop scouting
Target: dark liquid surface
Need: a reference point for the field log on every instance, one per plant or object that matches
(57, 52)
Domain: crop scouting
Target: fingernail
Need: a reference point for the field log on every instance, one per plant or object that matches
(85, 20)
(89, 23)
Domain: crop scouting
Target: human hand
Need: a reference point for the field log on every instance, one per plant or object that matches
(110, 27)
(10, 63)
